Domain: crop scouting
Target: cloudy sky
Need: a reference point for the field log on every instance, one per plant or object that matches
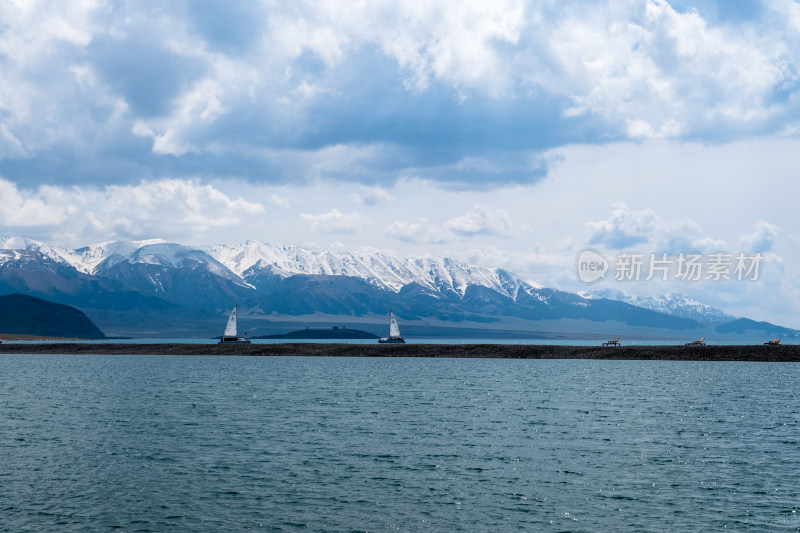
(512, 134)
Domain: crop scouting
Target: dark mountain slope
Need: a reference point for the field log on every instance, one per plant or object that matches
(27, 315)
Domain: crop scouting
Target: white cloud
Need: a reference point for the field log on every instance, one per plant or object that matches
(183, 202)
(662, 73)
(639, 129)
(454, 41)
(167, 208)
(373, 196)
(480, 220)
(625, 68)
(194, 112)
(10, 146)
(334, 221)
(421, 231)
(762, 239)
(647, 67)
(47, 90)
(625, 227)
(340, 162)
(280, 201)
(628, 228)
(24, 209)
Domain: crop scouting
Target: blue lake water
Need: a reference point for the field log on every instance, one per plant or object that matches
(152, 443)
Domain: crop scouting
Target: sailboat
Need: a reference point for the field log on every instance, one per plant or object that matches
(231, 334)
(394, 332)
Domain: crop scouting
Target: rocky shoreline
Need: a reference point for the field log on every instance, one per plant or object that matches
(779, 353)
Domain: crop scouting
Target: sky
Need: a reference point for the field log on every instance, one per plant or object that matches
(507, 134)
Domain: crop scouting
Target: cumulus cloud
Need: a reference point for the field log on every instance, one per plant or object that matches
(167, 208)
(663, 72)
(48, 93)
(762, 239)
(481, 220)
(421, 231)
(280, 201)
(334, 221)
(25, 210)
(449, 90)
(629, 228)
(181, 201)
(373, 196)
(624, 228)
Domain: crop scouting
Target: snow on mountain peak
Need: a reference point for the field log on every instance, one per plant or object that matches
(167, 254)
(88, 258)
(672, 304)
(384, 270)
(381, 269)
(22, 243)
(16, 243)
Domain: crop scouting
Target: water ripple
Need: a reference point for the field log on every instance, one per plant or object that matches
(316, 444)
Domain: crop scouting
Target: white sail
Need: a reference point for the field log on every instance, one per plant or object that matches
(230, 329)
(394, 329)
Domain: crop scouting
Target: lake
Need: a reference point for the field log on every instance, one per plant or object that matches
(153, 443)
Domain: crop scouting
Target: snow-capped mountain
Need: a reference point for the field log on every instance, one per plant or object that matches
(378, 268)
(253, 260)
(672, 304)
(130, 286)
(170, 255)
(84, 260)
(178, 274)
(246, 264)
(19, 245)
(99, 257)
(88, 258)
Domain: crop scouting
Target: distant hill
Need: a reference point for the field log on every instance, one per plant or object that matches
(27, 315)
(319, 333)
(745, 325)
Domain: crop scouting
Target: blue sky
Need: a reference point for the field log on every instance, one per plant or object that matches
(510, 133)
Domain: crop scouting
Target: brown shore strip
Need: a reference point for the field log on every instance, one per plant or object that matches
(780, 353)
(13, 337)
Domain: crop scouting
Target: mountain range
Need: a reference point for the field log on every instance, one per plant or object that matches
(156, 288)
